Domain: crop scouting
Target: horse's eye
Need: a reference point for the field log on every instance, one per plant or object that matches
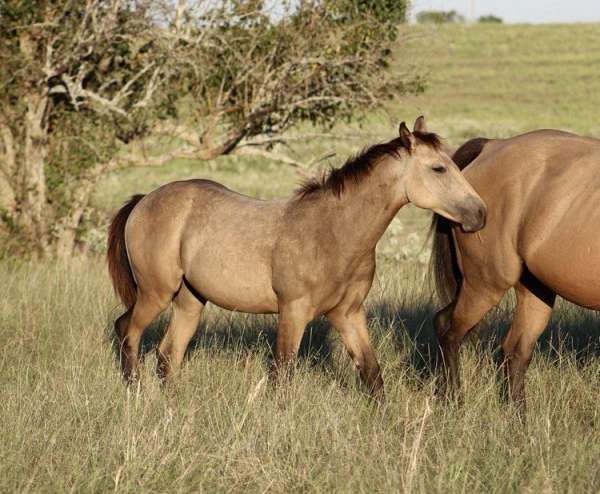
(439, 168)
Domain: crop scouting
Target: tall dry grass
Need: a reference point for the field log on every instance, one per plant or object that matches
(69, 424)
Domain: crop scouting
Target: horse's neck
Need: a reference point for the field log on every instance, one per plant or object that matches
(364, 211)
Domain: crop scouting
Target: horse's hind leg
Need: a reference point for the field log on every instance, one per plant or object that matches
(187, 309)
(534, 307)
(130, 327)
(454, 321)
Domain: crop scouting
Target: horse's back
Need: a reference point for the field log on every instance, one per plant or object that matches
(548, 166)
(543, 195)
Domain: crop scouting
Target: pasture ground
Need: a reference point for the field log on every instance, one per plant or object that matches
(69, 425)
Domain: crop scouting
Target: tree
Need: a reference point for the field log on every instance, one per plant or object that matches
(76, 76)
(439, 17)
(84, 81)
(490, 19)
(250, 76)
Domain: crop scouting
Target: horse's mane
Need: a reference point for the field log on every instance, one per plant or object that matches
(359, 166)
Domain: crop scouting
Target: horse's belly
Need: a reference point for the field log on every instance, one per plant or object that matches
(572, 270)
(235, 284)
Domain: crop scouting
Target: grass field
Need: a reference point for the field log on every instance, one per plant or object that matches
(69, 424)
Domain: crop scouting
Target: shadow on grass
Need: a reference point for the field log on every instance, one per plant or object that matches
(254, 334)
(412, 332)
(572, 331)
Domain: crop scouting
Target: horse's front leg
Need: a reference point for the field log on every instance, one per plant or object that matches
(351, 323)
(293, 318)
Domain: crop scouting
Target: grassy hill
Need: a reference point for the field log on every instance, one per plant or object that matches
(500, 80)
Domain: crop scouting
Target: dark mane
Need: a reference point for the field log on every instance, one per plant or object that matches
(430, 138)
(359, 166)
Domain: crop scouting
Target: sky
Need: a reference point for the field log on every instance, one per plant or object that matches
(532, 11)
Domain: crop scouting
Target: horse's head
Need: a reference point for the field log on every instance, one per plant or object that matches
(433, 181)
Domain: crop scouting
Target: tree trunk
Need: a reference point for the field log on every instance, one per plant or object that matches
(8, 164)
(32, 217)
(65, 243)
(79, 200)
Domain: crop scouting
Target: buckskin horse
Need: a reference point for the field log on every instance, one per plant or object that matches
(195, 241)
(542, 191)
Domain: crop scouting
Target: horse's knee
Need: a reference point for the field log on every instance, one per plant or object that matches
(168, 360)
(518, 352)
(471, 306)
(445, 327)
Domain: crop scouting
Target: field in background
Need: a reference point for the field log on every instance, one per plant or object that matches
(70, 425)
(489, 80)
(499, 81)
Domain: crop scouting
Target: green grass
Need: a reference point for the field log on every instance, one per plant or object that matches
(498, 81)
(69, 424)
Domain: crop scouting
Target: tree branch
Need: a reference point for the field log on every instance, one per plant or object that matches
(271, 155)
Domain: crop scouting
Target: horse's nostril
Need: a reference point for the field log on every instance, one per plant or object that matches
(474, 216)
(479, 219)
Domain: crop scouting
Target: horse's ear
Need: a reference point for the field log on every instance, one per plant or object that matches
(420, 125)
(408, 140)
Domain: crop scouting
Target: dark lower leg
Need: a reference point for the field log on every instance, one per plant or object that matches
(516, 383)
(372, 378)
(451, 362)
(454, 321)
(143, 313)
(121, 325)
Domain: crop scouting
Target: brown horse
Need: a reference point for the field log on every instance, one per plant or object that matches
(195, 241)
(542, 190)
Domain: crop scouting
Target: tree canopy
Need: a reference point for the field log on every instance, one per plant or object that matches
(83, 81)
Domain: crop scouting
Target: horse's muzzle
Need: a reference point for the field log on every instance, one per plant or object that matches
(473, 216)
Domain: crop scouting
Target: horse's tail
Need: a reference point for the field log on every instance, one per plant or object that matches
(116, 256)
(469, 151)
(443, 266)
